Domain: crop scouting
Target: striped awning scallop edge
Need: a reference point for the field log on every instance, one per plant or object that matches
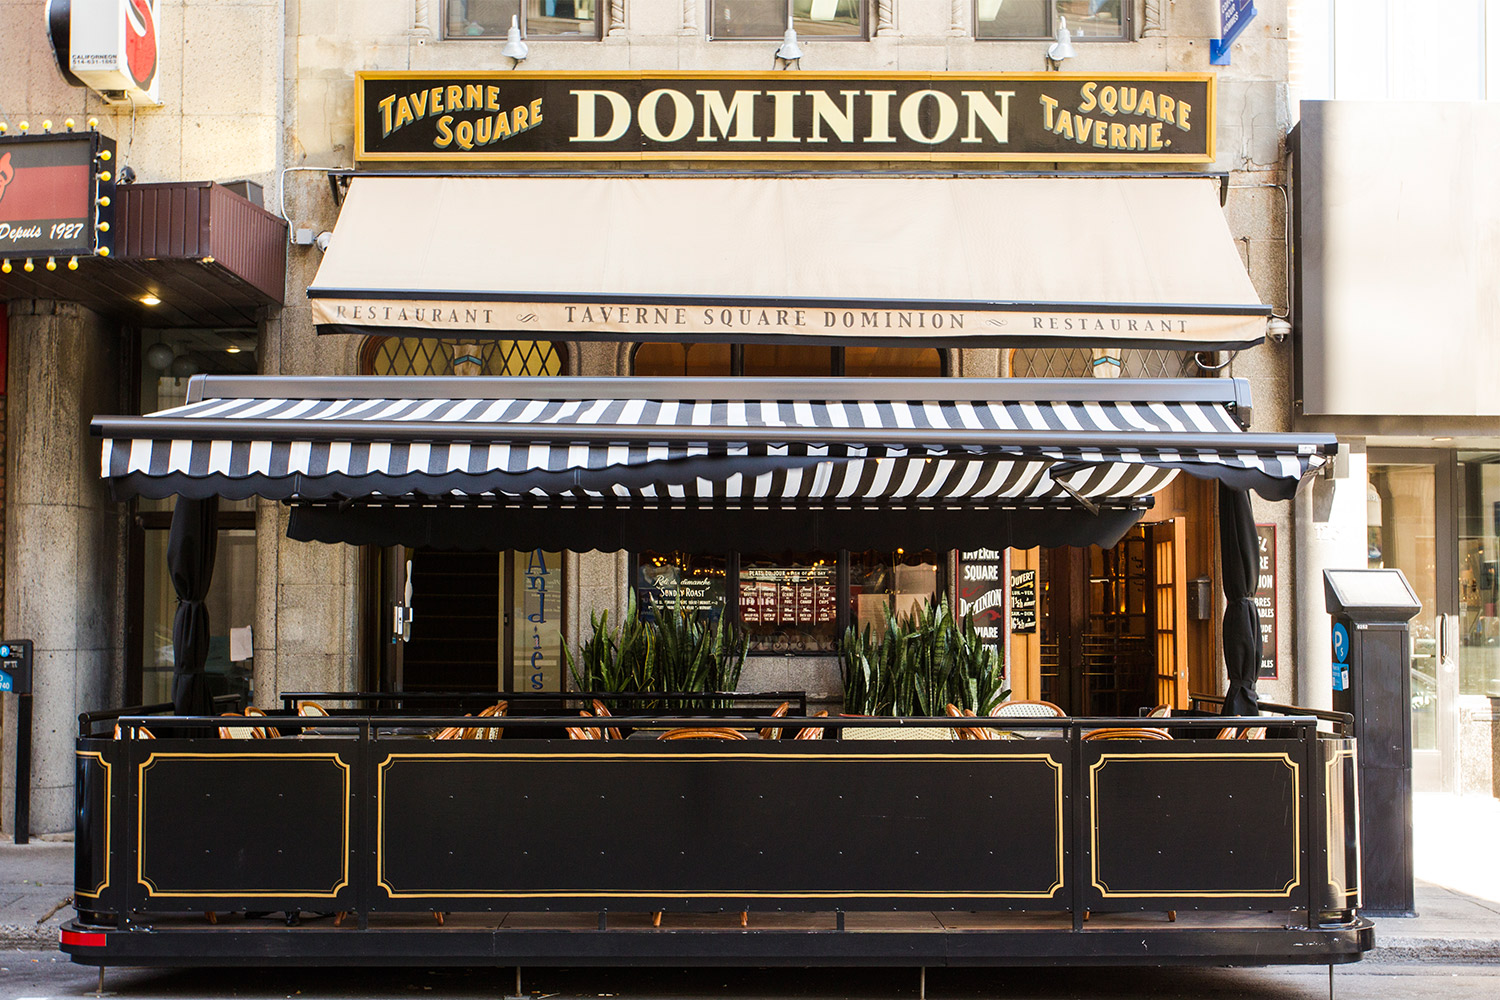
(773, 443)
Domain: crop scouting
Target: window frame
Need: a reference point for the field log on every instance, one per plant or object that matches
(597, 35)
(863, 35)
(1127, 26)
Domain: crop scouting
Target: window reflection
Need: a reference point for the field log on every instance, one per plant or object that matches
(536, 18)
(1038, 18)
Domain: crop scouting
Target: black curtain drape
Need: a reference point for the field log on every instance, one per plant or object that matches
(1239, 552)
(191, 547)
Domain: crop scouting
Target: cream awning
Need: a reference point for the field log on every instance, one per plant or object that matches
(948, 261)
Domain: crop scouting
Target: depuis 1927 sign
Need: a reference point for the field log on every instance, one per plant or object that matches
(55, 195)
(785, 116)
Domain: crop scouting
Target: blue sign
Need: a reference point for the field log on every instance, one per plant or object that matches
(1234, 17)
(5, 682)
(1340, 657)
(1340, 643)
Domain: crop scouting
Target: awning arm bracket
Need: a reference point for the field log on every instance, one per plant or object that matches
(1067, 468)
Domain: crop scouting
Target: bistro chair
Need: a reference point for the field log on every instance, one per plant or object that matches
(708, 733)
(237, 732)
(1025, 709)
(487, 732)
(602, 710)
(966, 732)
(263, 732)
(310, 708)
(1127, 733)
(454, 732)
(141, 733)
(1160, 712)
(812, 732)
(774, 732)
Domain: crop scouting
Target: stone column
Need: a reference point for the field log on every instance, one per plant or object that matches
(63, 569)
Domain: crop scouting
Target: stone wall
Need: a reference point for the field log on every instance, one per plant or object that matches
(65, 540)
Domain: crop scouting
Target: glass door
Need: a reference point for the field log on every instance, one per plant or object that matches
(1410, 513)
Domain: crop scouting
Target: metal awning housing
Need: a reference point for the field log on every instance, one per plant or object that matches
(1074, 457)
(949, 261)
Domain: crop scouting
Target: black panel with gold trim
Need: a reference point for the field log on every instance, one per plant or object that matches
(273, 826)
(95, 824)
(1188, 822)
(685, 826)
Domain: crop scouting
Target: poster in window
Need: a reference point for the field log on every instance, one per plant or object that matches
(981, 593)
(538, 589)
(669, 587)
(1265, 599)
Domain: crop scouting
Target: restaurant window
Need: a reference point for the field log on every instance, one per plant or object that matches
(434, 356)
(169, 358)
(1088, 20)
(823, 19)
(1079, 362)
(789, 602)
(566, 19)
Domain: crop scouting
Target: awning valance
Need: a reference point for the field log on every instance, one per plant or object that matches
(946, 261)
(600, 458)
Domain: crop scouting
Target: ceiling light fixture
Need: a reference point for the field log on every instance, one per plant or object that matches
(149, 300)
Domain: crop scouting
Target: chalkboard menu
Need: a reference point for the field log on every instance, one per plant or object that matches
(1023, 600)
(787, 595)
(669, 588)
(1265, 599)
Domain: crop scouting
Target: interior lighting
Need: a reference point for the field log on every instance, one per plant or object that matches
(149, 300)
(231, 349)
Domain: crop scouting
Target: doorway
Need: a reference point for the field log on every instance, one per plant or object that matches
(478, 621)
(1111, 640)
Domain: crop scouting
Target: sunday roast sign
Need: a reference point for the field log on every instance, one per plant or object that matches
(484, 117)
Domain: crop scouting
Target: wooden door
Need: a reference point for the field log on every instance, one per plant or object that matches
(1169, 581)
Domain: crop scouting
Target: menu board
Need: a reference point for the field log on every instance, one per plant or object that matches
(1023, 600)
(1265, 599)
(671, 587)
(787, 595)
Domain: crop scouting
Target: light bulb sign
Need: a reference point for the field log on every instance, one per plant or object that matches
(15, 666)
(56, 194)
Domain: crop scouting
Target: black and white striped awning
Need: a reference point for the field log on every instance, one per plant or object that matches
(694, 445)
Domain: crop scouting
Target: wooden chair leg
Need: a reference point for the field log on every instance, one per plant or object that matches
(744, 918)
(1172, 916)
(210, 916)
(438, 916)
(338, 918)
(656, 919)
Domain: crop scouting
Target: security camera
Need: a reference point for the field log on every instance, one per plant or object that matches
(1278, 330)
(323, 241)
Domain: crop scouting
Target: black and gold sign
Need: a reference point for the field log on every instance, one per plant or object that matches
(785, 116)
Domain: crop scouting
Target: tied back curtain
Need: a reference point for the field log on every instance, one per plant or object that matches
(1239, 551)
(191, 548)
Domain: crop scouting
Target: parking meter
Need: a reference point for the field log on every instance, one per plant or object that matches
(1371, 663)
(15, 677)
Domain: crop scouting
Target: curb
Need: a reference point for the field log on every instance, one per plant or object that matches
(20, 937)
(1397, 950)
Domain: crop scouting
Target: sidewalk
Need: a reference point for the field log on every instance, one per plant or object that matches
(34, 878)
(1451, 926)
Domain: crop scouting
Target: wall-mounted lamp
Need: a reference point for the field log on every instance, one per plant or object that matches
(515, 49)
(1062, 47)
(788, 52)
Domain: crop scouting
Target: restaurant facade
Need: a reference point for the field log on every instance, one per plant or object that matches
(643, 196)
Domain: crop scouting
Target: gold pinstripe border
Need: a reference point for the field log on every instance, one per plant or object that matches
(140, 828)
(394, 893)
(109, 808)
(1106, 892)
(1336, 879)
(1208, 156)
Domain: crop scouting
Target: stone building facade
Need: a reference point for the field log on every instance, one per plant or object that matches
(264, 92)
